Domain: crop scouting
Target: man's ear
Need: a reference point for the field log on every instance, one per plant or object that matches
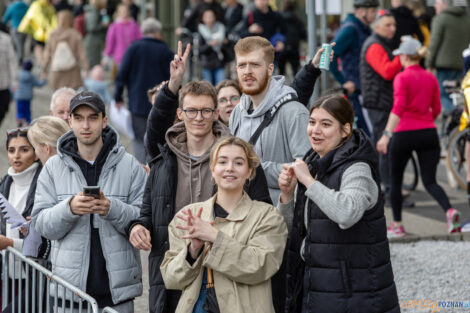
(271, 69)
(180, 113)
(105, 122)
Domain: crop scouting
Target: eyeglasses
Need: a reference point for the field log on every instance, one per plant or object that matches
(382, 13)
(21, 130)
(232, 99)
(192, 113)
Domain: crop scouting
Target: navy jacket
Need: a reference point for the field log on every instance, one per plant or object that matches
(349, 40)
(145, 64)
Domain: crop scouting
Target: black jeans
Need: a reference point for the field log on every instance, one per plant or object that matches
(139, 126)
(378, 119)
(5, 98)
(426, 144)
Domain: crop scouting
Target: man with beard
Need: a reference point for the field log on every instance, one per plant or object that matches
(284, 139)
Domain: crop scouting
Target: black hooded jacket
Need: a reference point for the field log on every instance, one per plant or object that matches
(345, 270)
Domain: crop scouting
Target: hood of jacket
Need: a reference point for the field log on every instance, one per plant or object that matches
(358, 148)
(176, 138)
(111, 152)
(402, 11)
(452, 10)
(351, 18)
(246, 124)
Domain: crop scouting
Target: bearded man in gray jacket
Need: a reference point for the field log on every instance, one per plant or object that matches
(285, 138)
(89, 244)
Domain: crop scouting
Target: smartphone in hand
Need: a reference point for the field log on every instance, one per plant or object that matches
(92, 191)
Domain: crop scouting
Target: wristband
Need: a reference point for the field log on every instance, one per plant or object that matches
(387, 133)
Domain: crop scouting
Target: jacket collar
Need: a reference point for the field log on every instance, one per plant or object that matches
(239, 212)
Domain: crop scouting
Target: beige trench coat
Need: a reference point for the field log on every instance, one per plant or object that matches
(246, 254)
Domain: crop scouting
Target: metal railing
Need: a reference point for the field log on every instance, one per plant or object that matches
(38, 281)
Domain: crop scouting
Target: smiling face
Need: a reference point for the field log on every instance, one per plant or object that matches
(199, 126)
(325, 132)
(231, 169)
(253, 72)
(227, 99)
(20, 154)
(87, 125)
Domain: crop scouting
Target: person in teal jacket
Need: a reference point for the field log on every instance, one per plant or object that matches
(349, 39)
(13, 15)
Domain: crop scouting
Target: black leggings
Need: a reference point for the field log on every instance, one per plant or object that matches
(426, 144)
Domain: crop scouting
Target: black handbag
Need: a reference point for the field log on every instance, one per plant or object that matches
(211, 305)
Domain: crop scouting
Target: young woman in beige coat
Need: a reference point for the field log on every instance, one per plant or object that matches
(240, 240)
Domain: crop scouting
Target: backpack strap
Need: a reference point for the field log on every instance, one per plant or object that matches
(269, 116)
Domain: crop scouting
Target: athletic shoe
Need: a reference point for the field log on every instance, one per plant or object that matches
(396, 232)
(453, 221)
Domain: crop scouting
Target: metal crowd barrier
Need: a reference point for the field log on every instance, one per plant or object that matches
(35, 278)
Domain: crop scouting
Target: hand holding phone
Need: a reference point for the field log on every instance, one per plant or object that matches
(92, 191)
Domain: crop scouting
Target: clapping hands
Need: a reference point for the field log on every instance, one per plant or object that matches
(290, 175)
(198, 230)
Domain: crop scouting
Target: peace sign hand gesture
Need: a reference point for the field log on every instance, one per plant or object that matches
(178, 67)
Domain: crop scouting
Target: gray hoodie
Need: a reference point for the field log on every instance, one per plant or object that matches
(282, 141)
(195, 182)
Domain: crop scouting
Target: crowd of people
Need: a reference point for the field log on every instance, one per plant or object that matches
(248, 198)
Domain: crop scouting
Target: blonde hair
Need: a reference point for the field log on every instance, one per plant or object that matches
(253, 43)
(252, 158)
(47, 130)
(420, 54)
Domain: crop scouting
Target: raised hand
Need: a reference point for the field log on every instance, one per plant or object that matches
(178, 67)
(316, 58)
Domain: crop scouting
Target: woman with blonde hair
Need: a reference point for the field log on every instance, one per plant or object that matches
(237, 241)
(411, 127)
(43, 135)
(64, 55)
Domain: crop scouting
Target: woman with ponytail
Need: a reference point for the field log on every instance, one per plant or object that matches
(411, 127)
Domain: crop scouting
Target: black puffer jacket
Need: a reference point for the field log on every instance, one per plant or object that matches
(345, 270)
(5, 184)
(377, 93)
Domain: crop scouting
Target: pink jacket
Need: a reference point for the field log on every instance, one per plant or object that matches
(415, 99)
(119, 37)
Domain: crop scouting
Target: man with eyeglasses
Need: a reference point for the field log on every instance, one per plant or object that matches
(180, 172)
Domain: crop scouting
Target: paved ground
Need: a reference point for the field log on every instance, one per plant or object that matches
(426, 219)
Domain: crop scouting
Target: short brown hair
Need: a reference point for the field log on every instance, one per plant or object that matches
(252, 158)
(338, 107)
(228, 83)
(198, 88)
(253, 43)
